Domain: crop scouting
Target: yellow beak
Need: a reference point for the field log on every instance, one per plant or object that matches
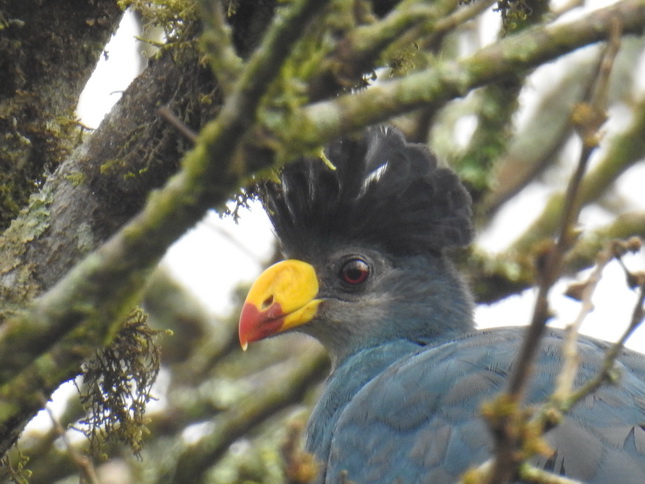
(283, 297)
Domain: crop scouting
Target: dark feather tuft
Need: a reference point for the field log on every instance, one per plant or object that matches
(384, 191)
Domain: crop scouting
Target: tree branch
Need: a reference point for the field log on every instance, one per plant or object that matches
(508, 417)
(329, 120)
(289, 387)
(626, 149)
(218, 41)
(40, 88)
(45, 344)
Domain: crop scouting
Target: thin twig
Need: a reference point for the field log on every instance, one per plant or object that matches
(505, 426)
(177, 123)
(83, 463)
(567, 375)
(606, 372)
(552, 262)
(564, 398)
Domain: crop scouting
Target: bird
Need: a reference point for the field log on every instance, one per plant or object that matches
(366, 229)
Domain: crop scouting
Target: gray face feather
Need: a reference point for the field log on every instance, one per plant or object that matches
(416, 298)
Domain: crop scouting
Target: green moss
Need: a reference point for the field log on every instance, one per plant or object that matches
(29, 225)
(14, 466)
(29, 147)
(110, 167)
(40, 88)
(76, 178)
(173, 16)
(116, 386)
(32, 222)
(519, 14)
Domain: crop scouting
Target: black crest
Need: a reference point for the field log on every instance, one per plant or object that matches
(383, 191)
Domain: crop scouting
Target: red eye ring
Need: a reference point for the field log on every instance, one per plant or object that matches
(355, 271)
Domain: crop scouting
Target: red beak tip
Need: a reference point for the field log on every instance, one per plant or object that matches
(256, 325)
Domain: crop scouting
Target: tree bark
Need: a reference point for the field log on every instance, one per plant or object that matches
(47, 53)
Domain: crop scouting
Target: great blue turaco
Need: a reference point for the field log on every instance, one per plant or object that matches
(365, 236)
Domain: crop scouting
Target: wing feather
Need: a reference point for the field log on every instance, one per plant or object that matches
(422, 413)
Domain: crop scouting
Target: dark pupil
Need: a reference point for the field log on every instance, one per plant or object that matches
(355, 272)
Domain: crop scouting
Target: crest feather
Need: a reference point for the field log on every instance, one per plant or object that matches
(384, 192)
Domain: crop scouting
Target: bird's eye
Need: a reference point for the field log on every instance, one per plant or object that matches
(355, 271)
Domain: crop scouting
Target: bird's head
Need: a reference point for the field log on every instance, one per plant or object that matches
(365, 242)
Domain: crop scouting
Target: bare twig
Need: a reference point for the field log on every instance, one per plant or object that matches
(631, 224)
(82, 462)
(506, 423)
(606, 372)
(550, 267)
(562, 397)
(570, 346)
(188, 133)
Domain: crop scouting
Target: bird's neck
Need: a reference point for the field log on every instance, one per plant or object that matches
(347, 378)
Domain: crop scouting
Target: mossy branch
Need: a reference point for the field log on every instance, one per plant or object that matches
(507, 419)
(358, 51)
(625, 149)
(115, 273)
(218, 46)
(47, 342)
(182, 202)
(195, 460)
(496, 277)
(328, 120)
(497, 105)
